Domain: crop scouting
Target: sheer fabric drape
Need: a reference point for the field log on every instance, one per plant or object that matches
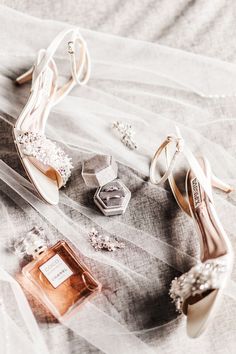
(152, 87)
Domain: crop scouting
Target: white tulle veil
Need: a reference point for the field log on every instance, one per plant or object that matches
(152, 87)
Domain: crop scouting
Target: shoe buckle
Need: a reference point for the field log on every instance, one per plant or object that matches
(179, 142)
(71, 47)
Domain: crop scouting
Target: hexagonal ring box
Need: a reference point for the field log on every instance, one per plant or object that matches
(112, 196)
(99, 170)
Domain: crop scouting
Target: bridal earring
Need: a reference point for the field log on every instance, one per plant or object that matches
(126, 133)
(198, 292)
(112, 196)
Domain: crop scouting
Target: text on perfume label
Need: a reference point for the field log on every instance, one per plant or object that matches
(56, 270)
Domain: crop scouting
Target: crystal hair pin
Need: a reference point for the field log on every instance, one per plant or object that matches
(100, 242)
(126, 133)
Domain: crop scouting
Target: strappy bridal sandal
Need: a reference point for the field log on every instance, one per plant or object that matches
(197, 293)
(46, 164)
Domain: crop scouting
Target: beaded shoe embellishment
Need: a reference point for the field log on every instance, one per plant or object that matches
(199, 279)
(35, 144)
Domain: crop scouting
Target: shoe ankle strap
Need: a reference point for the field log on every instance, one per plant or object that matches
(179, 144)
(80, 66)
(180, 147)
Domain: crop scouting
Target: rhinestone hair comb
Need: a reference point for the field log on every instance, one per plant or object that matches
(101, 242)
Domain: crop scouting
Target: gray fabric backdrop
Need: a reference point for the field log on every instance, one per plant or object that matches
(202, 27)
(206, 27)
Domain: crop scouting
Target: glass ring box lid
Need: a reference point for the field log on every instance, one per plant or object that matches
(56, 276)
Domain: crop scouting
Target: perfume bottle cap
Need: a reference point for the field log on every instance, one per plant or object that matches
(34, 243)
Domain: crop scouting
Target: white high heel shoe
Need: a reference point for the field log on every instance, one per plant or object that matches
(197, 293)
(46, 164)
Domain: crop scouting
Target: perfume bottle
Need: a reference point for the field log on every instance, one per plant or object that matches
(56, 275)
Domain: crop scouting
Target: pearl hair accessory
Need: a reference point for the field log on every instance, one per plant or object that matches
(100, 242)
(126, 133)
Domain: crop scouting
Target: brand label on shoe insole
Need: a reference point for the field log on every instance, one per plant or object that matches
(197, 198)
(56, 270)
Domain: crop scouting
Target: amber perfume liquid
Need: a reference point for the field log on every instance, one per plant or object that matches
(60, 280)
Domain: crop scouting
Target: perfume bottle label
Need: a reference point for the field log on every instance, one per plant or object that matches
(56, 270)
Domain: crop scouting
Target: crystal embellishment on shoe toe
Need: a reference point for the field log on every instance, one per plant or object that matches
(200, 278)
(36, 145)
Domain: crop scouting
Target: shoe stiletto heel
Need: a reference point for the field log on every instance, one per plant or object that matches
(219, 184)
(46, 164)
(26, 77)
(197, 293)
